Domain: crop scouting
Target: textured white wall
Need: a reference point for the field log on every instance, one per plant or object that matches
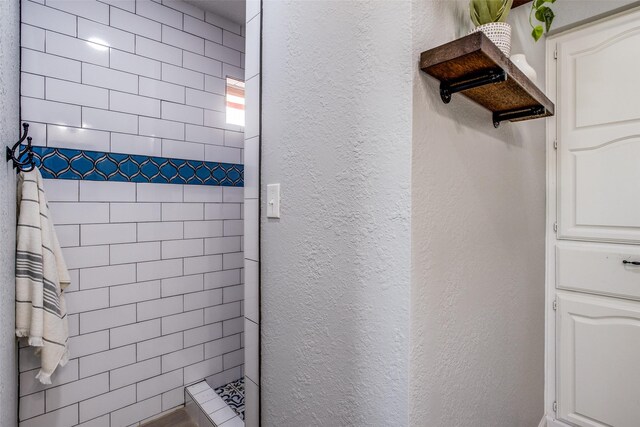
(478, 209)
(335, 268)
(9, 130)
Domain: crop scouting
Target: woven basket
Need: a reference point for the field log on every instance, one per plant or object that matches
(499, 33)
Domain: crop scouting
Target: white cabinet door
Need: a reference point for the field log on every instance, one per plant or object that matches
(598, 131)
(598, 360)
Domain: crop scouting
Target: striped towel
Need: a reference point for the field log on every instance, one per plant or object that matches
(41, 277)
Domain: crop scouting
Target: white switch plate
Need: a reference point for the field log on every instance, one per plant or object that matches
(273, 200)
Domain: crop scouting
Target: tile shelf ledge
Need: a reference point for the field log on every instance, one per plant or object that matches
(475, 67)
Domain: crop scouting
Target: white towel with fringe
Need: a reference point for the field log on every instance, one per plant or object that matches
(41, 277)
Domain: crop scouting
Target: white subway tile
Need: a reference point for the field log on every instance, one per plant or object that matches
(220, 279)
(233, 41)
(205, 135)
(129, 5)
(159, 308)
(78, 138)
(233, 139)
(156, 50)
(203, 264)
(107, 318)
(233, 293)
(50, 65)
(182, 113)
(91, 9)
(159, 231)
(183, 40)
(158, 346)
(107, 360)
(82, 345)
(232, 326)
(182, 321)
(221, 346)
(161, 90)
(222, 53)
(105, 35)
(48, 18)
(224, 416)
(202, 193)
(39, 110)
(101, 234)
(182, 212)
(195, 229)
(159, 384)
(185, 8)
(173, 399)
(221, 313)
(135, 24)
(38, 131)
(76, 391)
(222, 211)
(216, 153)
(91, 278)
(252, 107)
(202, 334)
(251, 167)
(203, 64)
(224, 23)
(235, 72)
(108, 120)
(215, 85)
(206, 100)
(151, 192)
(68, 235)
(81, 301)
(182, 358)
(134, 292)
(218, 245)
(65, 417)
(107, 402)
(216, 119)
(74, 324)
(253, 8)
(135, 212)
(252, 349)
(252, 63)
(233, 227)
(233, 194)
(133, 144)
(159, 269)
(136, 333)
(102, 421)
(202, 29)
(203, 369)
(32, 37)
(32, 405)
(251, 290)
(233, 359)
(136, 412)
(135, 373)
(134, 104)
(251, 223)
(159, 13)
(70, 47)
(135, 252)
(197, 300)
(182, 248)
(64, 374)
(182, 150)
(134, 64)
(110, 79)
(105, 191)
(182, 76)
(161, 128)
(33, 86)
(182, 285)
(86, 256)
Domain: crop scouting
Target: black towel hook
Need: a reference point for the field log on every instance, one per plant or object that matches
(14, 153)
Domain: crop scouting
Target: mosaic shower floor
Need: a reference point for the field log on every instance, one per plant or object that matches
(233, 395)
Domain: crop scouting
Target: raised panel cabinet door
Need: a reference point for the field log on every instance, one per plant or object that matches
(599, 361)
(598, 131)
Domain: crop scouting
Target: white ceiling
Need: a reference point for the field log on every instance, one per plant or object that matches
(233, 10)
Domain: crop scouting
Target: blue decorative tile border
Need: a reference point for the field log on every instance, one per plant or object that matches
(64, 163)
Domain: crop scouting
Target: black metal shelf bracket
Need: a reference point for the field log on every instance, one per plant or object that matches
(448, 88)
(500, 116)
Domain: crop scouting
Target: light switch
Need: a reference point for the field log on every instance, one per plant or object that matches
(273, 200)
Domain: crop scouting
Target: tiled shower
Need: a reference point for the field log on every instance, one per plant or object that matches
(126, 101)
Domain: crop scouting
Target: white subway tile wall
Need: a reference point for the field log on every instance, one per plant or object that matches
(155, 302)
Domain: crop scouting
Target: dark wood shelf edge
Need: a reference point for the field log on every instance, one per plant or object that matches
(517, 3)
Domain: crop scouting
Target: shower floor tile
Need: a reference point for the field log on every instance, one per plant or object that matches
(233, 395)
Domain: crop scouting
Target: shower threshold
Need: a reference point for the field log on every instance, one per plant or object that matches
(222, 407)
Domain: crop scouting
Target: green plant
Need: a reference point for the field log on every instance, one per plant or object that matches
(544, 15)
(487, 11)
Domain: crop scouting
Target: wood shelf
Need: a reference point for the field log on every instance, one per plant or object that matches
(474, 66)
